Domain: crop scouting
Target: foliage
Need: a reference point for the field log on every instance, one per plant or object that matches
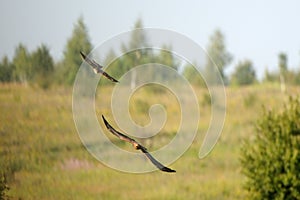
(37, 146)
(6, 70)
(39, 139)
(26, 67)
(282, 62)
(23, 69)
(295, 77)
(244, 74)
(138, 38)
(38, 67)
(156, 89)
(270, 76)
(165, 57)
(206, 100)
(250, 100)
(43, 66)
(284, 75)
(271, 160)
(192, 75)
(291, 77)
(79, 41)
(136, 53)
(3, 187)
(217, 56)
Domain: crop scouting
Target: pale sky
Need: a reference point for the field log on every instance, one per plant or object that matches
(257, 30)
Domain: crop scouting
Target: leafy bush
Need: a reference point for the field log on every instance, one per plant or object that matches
(250, 100)
(3, 187)
(142, 106)
(155, 89)
(244, 74)
(206, 100)
(271, 161)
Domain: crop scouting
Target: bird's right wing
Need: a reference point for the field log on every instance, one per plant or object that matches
(109, 77)
(138, 146)
(156, 163)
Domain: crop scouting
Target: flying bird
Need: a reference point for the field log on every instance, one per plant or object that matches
(137, 146)
(96, 67)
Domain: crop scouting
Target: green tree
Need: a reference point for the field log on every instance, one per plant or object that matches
(271, 160)
(217, 55)
(244, 74)
(270, 76)
(282, 63)
(115, 66)
(166, 57)
(296, 78)
(43, 66)
(138, 37)
(192, 75)
(6, 70)
(134, 53)
(79, 41)
(22, 62)
(137, 43)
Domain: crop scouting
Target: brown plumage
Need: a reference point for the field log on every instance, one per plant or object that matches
(96, 67)
(137, 146)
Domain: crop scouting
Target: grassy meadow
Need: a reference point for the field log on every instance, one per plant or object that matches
(43, 157)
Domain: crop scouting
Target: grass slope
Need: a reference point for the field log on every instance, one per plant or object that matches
(43, 157)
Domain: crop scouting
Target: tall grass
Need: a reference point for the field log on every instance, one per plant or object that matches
(43, 157)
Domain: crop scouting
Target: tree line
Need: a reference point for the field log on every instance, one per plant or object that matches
(39, 68)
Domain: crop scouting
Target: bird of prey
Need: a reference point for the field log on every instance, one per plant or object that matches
(137, 146)
(96, 67)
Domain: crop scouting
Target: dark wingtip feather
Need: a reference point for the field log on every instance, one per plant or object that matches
(166, 169)
(105, 122)
(82, 55)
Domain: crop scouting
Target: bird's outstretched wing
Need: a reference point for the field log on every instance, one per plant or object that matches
(156, 163)
(97, 67)
(109, 77)
(117, 133)
(137, 146)
(91, 62)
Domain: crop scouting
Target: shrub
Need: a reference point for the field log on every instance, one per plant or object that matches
(250, 100)
(271, 161)
(244, 74)
(3, 187)
(206, 100)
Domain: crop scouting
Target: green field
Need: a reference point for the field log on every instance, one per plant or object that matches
(44, 158)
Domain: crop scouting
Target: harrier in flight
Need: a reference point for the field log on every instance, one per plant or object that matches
(137, 146)
(97, 68)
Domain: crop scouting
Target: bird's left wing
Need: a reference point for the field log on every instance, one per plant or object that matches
(96, 67)
(91, 62)
(117, 133)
